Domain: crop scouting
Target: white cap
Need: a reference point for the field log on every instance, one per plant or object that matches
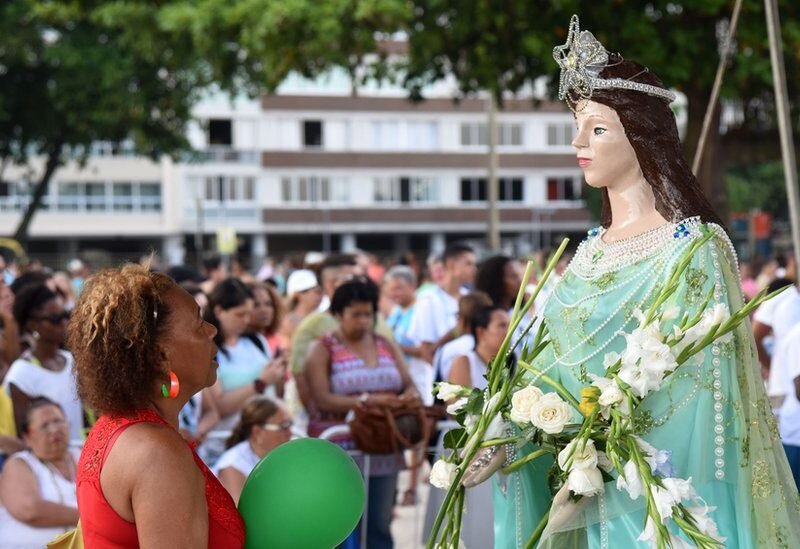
(74, 265)
(312, 258)
(300, 281)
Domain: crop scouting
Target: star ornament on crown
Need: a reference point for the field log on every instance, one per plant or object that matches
(581, 59)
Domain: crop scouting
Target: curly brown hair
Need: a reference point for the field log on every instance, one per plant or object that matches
(115, 337)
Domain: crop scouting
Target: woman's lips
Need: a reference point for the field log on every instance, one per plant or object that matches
(583, 162)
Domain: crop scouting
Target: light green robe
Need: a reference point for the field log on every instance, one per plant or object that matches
(731, 450)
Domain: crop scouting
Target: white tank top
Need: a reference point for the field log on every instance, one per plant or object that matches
(52, 487)
(477, 370)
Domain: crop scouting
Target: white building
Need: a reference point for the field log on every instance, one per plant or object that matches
(316, 168)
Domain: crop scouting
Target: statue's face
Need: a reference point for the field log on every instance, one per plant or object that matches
(604, 153)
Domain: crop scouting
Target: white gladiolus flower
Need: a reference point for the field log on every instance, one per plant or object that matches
(630, 481)
(457, 406)
(551, 414)
(610, 395)
(584, 456)
(660, 461)
(449, 391)
(664, 501)
(496, 428)
(671, 313)
(705, 523)
(522, 401)
(585, 482)
(443, 474)
(638, 379)
(603, 462)
(649, 532)
(610, 359)
(677, 542)
(470, 422)
(680, 489)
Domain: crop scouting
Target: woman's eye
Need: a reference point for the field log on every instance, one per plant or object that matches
(599, 131)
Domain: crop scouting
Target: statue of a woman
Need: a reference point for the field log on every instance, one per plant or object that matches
(712, 414)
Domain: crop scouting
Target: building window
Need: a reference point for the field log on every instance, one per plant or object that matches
(220, 132)
(229, 189)
(386, 135)
(95, 196)
(423, 136)
(150, 197)
(122, 197)
(405, 190)
(477, 134)
(560, 134)
(312, 133)
(314, 189)
(474, 134)
(563, 188)
(476, 189)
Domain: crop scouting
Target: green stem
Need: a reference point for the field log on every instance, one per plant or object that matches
(534, 539)
(499, 441)
(522, 461)
(552, 383)
(459, 513)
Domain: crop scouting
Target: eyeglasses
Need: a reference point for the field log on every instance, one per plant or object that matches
(275, 427)
(55, 318)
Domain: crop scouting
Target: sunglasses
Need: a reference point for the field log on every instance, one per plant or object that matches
(282, 426)
(55, 318)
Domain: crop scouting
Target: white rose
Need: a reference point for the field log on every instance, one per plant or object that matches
(496, 428)
(457, 406)
(550, 414)
(585, 482)
(630, 480)
(449, 391)
(443, 474)
(584, 456)
(522, 401)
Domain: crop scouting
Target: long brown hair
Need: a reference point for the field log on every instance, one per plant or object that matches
(256, 411)
(652, 132)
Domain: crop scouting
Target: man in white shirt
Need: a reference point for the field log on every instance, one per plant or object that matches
(436, 311)
(776, 317)
(788, 353)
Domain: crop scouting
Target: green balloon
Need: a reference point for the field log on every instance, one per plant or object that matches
(305, 494)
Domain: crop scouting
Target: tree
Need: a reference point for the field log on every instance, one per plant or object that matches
(504, 45)
(75, 73)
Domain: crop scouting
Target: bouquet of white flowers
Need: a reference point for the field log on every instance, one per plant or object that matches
(593, 440)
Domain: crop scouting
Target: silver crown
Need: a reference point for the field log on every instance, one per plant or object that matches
(581, 59)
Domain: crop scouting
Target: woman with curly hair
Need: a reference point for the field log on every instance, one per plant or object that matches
(142, 349)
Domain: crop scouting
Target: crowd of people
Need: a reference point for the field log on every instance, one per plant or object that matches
(286, 352)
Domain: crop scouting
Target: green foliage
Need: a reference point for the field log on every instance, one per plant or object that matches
(759, 187)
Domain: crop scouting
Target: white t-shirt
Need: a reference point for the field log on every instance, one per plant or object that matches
(435, 314)
(36, 381)
(241, 457)
(789, 414)
(52, 487)
(781, 314)
(447, 353)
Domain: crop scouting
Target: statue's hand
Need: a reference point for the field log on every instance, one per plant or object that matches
(486, 462)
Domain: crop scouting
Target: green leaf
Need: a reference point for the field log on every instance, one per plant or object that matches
(455, 439)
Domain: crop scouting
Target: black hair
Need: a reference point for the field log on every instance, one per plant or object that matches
(30, 299)
(454, 251)
(358, 290)
(491, 273)
(31, 277)
(212, 263)
(779, 283)
(481, 319)
(338, 260)
(228, 294)
(34, 404)
(650, 127)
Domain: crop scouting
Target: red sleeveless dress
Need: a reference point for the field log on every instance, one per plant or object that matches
(103, 528)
